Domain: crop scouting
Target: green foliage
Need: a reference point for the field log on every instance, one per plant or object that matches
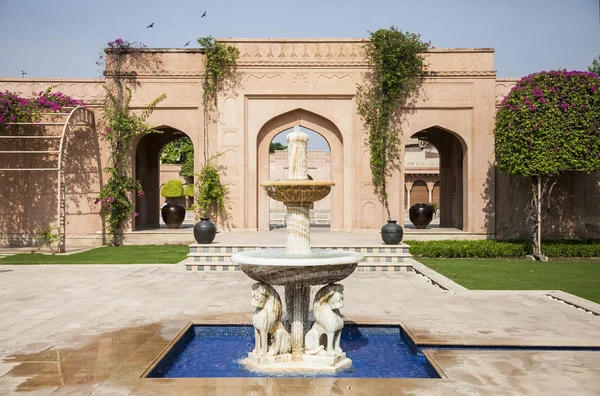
(172, 189)
(122, 126)
(219, 74)
(188, 190)
(114, 199)
(276, 146)
(595, 66)
(434, 206)
(468, 249)
(496, 249)
(389, 90)
(548, 124)
(212, 193)
(180, 151)
(49, 236)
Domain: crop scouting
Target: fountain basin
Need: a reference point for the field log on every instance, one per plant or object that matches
(297, 192)
(278, 267)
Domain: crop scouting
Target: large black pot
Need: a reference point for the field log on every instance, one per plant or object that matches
(420, 215)
(173, 214)
(391, 233)
(204, 230)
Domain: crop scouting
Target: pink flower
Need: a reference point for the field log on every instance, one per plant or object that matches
(136, 214)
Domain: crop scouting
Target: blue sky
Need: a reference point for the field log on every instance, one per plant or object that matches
(62, 38)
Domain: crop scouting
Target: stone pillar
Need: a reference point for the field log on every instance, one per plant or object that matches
(430, 186)
(298, 229)
(297, 299)
(408, 186)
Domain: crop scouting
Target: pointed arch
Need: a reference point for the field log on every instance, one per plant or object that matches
(314, 122)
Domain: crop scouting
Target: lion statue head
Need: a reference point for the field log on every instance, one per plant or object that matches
(267, 302)
(328, 300)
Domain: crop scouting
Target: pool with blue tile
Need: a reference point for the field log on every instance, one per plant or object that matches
(217, 351)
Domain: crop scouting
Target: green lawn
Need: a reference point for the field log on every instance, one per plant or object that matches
(576, 276)
(142, 254)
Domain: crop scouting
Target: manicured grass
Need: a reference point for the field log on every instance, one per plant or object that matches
(576, 276)
(142, 254)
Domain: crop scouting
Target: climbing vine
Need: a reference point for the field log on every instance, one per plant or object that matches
(396, 69)
(219, 75)
(212, 193)
(122, 126)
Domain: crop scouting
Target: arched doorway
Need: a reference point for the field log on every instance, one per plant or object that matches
(451, 190)
(319, 168)
(329, 132)
(147, 171)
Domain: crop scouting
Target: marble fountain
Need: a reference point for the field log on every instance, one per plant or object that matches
(292, 345)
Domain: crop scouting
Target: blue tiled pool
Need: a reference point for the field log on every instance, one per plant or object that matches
(217, 351)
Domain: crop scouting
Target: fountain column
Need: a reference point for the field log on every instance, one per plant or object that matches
(298, 222)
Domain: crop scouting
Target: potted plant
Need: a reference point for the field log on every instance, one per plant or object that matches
(421, 214)
(389, 91)
(172, 212)
(211, 202)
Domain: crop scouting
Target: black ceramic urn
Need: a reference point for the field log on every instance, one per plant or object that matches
(173, 214)
(420, 215)
(391, 233)
(204, 230)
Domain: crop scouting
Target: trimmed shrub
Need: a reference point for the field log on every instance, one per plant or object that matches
(188, 190)
(172, 189)
(499, 249)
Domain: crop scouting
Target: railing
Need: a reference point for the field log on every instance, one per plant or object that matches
(316, 217)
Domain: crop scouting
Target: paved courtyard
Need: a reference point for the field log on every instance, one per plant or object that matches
(94, 329)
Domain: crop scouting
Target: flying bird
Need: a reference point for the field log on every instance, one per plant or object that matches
(187, 44)
(23, 74)
(150, 26)
(203, 15)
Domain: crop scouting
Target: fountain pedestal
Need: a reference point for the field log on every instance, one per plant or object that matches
(297, 268)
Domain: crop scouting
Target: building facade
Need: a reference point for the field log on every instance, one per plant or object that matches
(312, 83)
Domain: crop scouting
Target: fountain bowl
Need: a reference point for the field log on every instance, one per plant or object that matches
(277, 267)
(297, 192)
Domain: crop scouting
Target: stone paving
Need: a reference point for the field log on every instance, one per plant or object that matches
(94, 329)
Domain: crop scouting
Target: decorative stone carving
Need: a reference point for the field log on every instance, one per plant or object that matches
(270, 337)
(328, 320)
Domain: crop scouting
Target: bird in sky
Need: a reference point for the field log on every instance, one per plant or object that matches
(187, 44)
(203, 15)
(150, 26)
(23, 74)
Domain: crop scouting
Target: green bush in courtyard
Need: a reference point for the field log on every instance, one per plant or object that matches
(172, 189)
(498, 249)
(188, 190)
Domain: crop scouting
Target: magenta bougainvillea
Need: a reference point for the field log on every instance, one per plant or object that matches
(17, 108)
(549, 123)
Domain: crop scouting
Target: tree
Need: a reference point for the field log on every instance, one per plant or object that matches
(276, 146)
(389, 90)
(547, 125)
(595, 66)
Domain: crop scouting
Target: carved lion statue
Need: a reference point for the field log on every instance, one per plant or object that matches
(328, 320)
(270, 337)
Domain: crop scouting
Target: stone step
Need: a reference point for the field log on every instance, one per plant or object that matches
(200, 257)
(364, 249)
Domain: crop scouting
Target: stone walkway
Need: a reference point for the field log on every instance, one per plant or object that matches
(94, 329)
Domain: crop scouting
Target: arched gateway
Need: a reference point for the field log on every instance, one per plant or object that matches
(318, 124)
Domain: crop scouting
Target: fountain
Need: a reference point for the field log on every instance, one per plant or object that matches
(297, 268)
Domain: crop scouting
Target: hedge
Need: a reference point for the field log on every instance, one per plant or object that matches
(172, 189)
(493, 249)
